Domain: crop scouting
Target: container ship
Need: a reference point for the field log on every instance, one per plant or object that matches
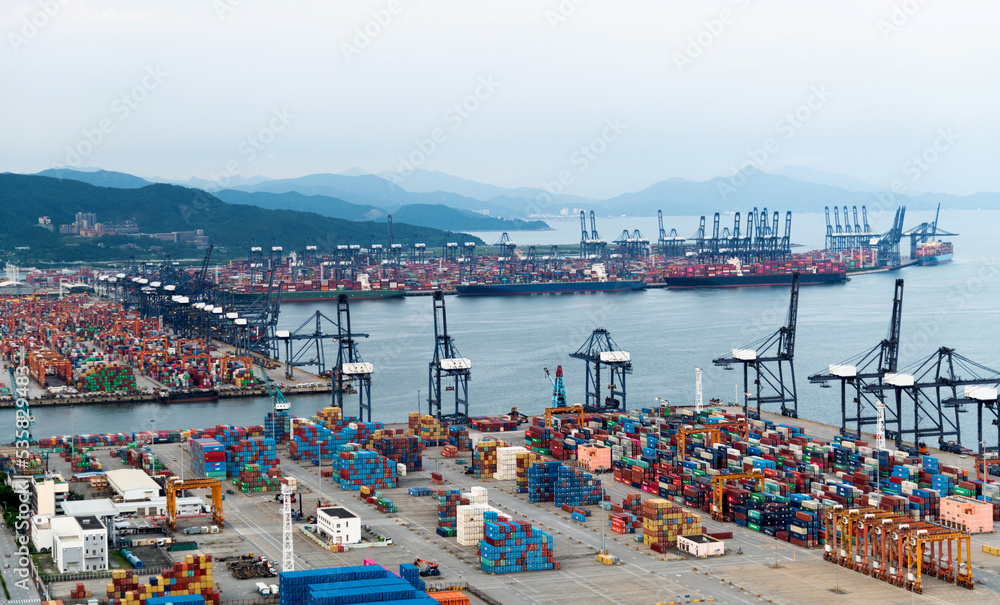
(594, 279)
(327, 290)
(734, 274)
(933, 253)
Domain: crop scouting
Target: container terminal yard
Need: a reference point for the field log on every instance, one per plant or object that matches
(689, 503)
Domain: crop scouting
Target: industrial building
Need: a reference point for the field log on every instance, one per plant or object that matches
(79, 544)
(338, 525)
(701, 545)
(133, 484)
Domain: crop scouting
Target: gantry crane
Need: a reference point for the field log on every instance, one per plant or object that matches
(572, 410)
(600, 351)
(350, 367)
(712, 430)
(768, 357)
(719, 481)
(447, 364)
(868, 368)
(175, 484)
(278, 402)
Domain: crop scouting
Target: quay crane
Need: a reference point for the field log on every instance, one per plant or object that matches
(600, 351)
(768, 357)
(449, 364)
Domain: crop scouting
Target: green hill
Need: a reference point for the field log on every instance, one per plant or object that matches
(167, 208)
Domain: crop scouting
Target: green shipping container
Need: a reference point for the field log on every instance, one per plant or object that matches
(753, 526)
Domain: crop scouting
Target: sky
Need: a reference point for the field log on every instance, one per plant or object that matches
(516, 92)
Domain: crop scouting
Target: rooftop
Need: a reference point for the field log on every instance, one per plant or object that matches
(127, 479)
(89, 522)
(96, 508)
(338, 512)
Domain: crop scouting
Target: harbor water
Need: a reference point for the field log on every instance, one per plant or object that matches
(668, 333)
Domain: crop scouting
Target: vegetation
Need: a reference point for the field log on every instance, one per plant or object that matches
(165, 209)
(10, 501)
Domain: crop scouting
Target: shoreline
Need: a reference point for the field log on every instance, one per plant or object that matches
(132, 397)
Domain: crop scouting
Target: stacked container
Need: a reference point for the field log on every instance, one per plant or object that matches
(513, 546)
(662, 522)
(208, 459)
(448, 502)
(484, 459)
(366, 468)
(407, 450)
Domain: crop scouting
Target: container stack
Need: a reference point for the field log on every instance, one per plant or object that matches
(105, 376)
(208, 459)
(507, 462)
(542, 480)
(471, 523)
(459, 438)
(432, 431)
(662, 522)
(80, 592)
(513, 546)
(524, 463)
(484, 459)
(369, 583)
(276, 426)
(366, 468)
(193, 576)
(259, 451)
(253, 478)
(448, 502)
(576, 488)
(407, 450)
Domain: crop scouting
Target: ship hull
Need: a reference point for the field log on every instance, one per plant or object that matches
(742, 281)
(934, 260)
(326, 295)
(548, 288)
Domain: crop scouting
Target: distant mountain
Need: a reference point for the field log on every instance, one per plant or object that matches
(293, 200)
(160, 208)
(213, 186)
(100, 178)
(452, 219)
(683, 197)
(426, 181)
(821, 177)
(426, 215)
(371, 190)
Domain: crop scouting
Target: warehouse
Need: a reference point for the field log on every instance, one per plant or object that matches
(700, 545)
(133, 484)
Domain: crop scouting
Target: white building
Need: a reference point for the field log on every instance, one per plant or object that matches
(338, 525)
(157, 507)
(701, 545)
(48, 494)
(79, 544)
(133, 484)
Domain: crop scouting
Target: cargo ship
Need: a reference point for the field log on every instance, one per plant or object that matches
(733, 274)
(596, 280)
(320, 291)
(188, 396)
(933, 253)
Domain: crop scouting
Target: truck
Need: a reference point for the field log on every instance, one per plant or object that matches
(192, 530)
(274, 589)
(263, 588)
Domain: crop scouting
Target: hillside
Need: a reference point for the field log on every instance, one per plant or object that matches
(165, 208)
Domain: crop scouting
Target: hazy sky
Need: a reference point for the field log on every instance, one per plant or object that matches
(506, 92)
